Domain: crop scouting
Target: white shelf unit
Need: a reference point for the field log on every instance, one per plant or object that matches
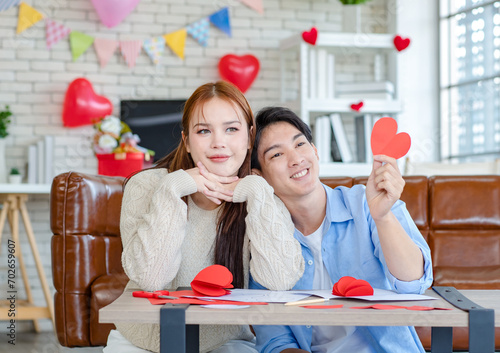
(297, 95)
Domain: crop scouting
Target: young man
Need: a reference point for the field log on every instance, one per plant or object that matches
(366, 233)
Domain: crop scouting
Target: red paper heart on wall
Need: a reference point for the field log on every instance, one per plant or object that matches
(357, 107)
(385, 140)
(310, 36)
(239, 70)
(82, 106)
(401, 43)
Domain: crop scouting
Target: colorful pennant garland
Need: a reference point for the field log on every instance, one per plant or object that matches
(154, 47)
(255, 5)
(28, 16)
(177, 41)
(79, 43)
(130, 51)
(105, 48)
(199, 31)
(220, 19)
(7, 4)
(54, 32)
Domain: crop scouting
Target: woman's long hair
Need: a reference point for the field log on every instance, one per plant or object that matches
(231, 226)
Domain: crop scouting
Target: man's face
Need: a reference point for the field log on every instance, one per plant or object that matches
(289, 162)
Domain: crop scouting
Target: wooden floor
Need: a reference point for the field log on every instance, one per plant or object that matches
(45, 342)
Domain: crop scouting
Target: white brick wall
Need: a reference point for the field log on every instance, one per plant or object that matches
(33, 79)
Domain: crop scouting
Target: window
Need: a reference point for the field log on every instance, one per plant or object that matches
(470, 80)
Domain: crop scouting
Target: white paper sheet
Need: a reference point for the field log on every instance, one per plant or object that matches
(269, 296)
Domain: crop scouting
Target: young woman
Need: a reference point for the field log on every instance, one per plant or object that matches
(200, 206)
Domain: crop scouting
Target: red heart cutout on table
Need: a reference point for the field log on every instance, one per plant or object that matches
(401, 43)
(385, 140)
(82, 106)
(239, 70)
(310, 36)
(212, 281)
(348, 286)
(357, 107)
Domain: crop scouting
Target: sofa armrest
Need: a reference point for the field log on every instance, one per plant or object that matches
(86, 245)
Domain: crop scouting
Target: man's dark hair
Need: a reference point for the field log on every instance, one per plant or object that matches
(272, 115)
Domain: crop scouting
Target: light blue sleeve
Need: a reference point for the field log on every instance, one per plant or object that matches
(417, 286)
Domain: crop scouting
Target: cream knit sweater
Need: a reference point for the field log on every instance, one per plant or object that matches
(166, 243)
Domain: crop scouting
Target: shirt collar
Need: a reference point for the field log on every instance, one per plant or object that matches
(336, 210)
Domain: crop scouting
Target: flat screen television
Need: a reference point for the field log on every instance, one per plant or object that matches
(156, 122)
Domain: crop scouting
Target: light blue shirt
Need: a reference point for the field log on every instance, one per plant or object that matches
(351, 247)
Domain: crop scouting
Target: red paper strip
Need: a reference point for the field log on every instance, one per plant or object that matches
(423, 308)
(201, 302)
(322, 306)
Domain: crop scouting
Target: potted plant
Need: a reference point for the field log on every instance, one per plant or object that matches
(4, 124)
(15, 176)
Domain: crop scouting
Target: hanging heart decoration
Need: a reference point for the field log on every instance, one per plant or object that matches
(385, 139)
(239, 70)
(82, 106)
(310, 36)
(401, 43)
(357, 106)
(113, 12)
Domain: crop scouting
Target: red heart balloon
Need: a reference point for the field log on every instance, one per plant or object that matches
(82, 106)
(310, 36)
(401, 43)
(385, 140)
(357, 107)
(239, 70)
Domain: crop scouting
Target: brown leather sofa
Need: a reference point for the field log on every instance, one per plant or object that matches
(459, 216)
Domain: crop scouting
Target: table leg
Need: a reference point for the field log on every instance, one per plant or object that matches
(175, 335)
(14, 227)
(36, 256)
(3, 217)
(442, 340)
(481, 331)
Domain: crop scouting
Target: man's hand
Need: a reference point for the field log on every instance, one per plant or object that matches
(215, 187)
(384, 186)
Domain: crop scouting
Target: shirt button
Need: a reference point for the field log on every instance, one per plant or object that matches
(310, 262)
(308, 326)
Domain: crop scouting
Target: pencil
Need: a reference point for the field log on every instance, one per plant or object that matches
(309, 301)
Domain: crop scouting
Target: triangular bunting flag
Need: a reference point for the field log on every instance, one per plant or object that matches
(54, 32)
(28, 16)
(105, 48)
(254, 4)
(177, 41)
(130, 51)
(7, 4)
(220, 19)
(79, 43)
(154, 47)
(199, 31)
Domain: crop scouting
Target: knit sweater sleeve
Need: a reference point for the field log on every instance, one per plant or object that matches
(276, 256)
(152, 226)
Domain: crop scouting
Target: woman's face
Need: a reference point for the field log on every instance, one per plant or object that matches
(218, 137)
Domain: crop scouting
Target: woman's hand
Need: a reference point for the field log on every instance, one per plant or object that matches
(384, 187)
(215, 187)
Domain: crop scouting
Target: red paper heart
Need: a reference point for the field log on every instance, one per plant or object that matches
(401, 43)
(357, 107)
(239, 70)
(348, 286)
(212, 281)
(310, 36)
(82, 106)
(385, 140)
